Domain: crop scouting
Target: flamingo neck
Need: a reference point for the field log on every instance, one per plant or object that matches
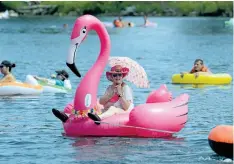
(86, 93)
(104, 42)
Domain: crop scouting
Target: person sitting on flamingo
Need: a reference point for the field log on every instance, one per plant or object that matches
(118, 97)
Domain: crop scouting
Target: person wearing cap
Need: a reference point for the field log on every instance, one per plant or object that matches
(118, 97)
(5, 68)
(61, 79)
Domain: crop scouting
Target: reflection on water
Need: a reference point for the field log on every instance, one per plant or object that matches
(118, 148)
(15, 97)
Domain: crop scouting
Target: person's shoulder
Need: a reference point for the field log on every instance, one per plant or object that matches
(126, 86)
(205, 69)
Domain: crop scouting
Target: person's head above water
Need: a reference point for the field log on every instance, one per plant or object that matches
(130, 24)
(65, 25)
(116, 74)
(6, 67)
(145, 18)
(62, 75)
(198, 64)
(117, 23)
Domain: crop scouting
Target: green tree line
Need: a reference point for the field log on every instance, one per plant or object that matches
(157, 8)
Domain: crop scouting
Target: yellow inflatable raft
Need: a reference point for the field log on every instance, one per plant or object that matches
(215, 79)
(19, 88)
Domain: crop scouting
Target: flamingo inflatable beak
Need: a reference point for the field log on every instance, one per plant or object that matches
(71, 60)
(75, 42)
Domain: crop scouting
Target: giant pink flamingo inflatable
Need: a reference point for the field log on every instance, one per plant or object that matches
(159, 117)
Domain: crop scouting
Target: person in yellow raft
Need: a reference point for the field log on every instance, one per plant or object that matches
(5, 68)
(198, 69)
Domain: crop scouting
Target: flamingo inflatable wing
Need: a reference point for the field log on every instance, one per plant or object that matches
(160, 116)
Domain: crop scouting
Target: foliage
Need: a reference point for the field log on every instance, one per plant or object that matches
(183, 8)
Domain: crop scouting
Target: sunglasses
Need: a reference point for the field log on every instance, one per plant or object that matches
(117, 74)
(1, 66)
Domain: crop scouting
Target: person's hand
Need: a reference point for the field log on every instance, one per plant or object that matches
(119, 90)
(35, 77)
(196, 74)
(181, 74)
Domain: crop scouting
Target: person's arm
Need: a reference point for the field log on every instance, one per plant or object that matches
(196, 74)
(41, 79)
(50, 81)
(8, 78)
(106, 97)
(125, 103)
(126, 98)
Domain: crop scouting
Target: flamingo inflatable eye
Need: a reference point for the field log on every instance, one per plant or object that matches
(83, 30)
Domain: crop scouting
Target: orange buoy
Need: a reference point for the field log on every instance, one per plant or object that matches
(221, 140)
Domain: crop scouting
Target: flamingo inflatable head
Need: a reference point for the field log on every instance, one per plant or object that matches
(79, 33)
(86, 92)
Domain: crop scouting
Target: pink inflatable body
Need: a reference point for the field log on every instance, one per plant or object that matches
(160, 95)
(159, 117)
(147, 120)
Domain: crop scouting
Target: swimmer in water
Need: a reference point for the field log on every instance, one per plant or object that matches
(65, 26)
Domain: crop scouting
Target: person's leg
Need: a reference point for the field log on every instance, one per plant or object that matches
(60, 115)
(110, 112)
(31, 80)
